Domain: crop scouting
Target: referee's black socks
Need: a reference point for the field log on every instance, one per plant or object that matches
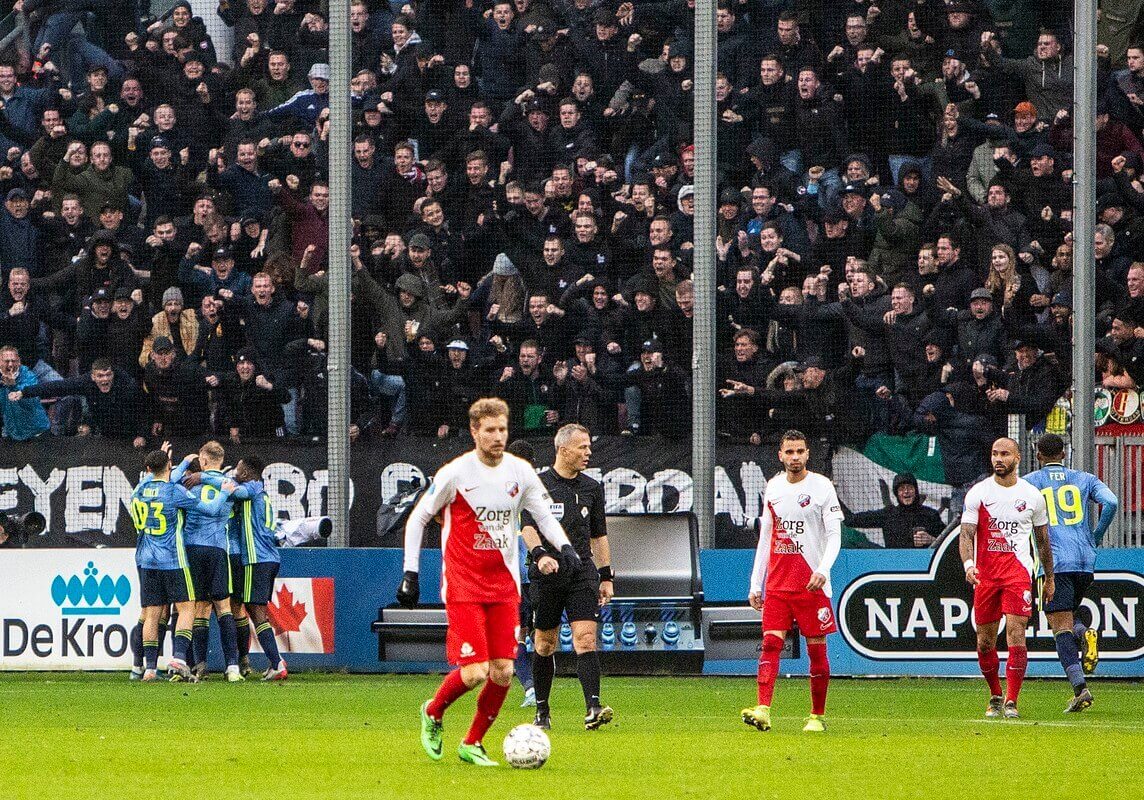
(588, 670)
(543, 670)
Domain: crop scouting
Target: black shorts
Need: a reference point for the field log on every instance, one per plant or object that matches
(210, 571)
(552, 595)
(161, 587)
(1069, 591)
(253, 583)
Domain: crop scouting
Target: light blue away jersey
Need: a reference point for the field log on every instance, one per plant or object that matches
(1069, 494)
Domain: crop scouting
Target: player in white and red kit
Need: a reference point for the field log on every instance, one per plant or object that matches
(480, 496)
(1002, 514)
(800, 534)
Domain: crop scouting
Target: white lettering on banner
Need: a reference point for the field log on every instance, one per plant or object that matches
(616, 501)
(42, 490)
(293, 495)
(8, 499)
(1126, 620)
(727, 497)
(754, 484)
(954, 611)
(397, 473)
(919, 619)
(888, 617)
(67, 609)
(656, 491)
(94, 496)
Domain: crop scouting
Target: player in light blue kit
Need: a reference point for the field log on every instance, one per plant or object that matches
(1069, 494)
(158, 508)
(254, 561)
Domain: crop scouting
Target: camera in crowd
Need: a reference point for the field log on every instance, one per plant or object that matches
(19, 530)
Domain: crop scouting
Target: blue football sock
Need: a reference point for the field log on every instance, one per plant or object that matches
(269, 644)
(182, 645)
(522, 666)
(137, 645)
(200, 640)
(242, 631)
(1079, 629)
(229, 637)
(1068, 651)
(162, 636)
(151, 654)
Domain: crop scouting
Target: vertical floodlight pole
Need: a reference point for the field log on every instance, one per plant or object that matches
(1084, 221)
(703, 356)
(338, 354)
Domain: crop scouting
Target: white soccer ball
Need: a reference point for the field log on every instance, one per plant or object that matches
(526, 747)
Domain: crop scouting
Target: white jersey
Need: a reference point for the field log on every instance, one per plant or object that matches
(800, 533)
(1005, 517)
(481, 506)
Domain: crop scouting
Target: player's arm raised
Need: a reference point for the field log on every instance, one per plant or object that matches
(440, 493)
(762, 558)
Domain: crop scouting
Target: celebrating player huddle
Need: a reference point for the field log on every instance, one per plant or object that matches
(198, 531)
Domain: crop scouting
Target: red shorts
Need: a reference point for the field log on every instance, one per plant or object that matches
(811, 610)
(481, 632)
(991, 600)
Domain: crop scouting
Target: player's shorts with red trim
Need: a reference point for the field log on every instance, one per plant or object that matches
(811, 610)
(481, 631)
(992, 600)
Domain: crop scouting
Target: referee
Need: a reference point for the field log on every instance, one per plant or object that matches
(578, 503)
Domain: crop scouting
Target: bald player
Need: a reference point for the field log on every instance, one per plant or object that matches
(1004, 516)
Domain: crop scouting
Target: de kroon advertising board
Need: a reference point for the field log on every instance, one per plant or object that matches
(67, 609)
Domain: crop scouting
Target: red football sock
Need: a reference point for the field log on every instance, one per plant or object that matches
(819, 677)
(489, 703)
(990, 664)
(769, 668)
(1015, 664)
(450, 689)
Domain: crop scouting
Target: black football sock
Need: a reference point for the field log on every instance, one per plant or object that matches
(588, 670)
(543, 670)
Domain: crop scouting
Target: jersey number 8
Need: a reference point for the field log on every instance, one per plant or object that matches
(148, 517)
(1067, 499)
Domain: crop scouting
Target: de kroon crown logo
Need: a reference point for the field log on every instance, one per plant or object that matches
(903, 616)
(91, 595)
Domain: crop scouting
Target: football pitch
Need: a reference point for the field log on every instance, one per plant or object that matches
(69, 735)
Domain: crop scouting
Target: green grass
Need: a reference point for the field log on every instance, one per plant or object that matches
(98, 737)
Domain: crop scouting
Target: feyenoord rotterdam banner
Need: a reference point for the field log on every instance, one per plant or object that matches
(83, 485)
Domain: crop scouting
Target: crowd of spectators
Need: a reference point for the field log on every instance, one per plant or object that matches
(894, 240)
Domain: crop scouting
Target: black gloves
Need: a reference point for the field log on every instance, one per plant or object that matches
(409, 590)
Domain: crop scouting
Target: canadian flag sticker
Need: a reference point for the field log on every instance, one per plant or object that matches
(302, 613)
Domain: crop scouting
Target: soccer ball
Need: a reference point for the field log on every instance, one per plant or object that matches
(526, 747)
